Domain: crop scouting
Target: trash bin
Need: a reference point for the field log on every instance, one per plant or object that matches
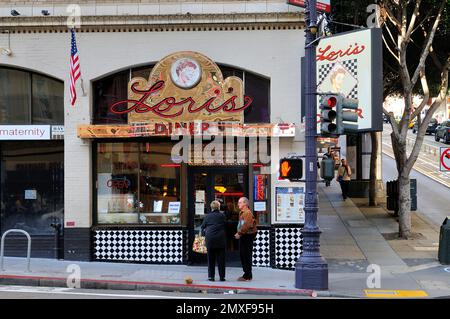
(444, 243)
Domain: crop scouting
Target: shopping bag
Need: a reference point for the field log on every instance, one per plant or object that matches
(199, 245)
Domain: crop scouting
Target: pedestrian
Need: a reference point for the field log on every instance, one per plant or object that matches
(329, 154)
(246, 233)
(213, 228)
(344, 174)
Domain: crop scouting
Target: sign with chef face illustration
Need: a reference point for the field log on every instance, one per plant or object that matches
(185, 73)
(184, 87)
(351, 64)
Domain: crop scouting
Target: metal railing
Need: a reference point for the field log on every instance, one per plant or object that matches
(3, 246)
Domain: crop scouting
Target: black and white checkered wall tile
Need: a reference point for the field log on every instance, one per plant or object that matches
(150, 246)
(261, 249)
(288, 247)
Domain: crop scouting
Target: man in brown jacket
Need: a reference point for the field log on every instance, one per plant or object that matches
(246, 233)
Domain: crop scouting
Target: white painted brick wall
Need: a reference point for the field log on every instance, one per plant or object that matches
(273, 53)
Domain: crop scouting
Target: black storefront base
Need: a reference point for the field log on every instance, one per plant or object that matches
(77, 244)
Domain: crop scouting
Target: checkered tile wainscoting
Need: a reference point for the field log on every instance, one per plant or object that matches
(261, 249)
(151, 246)
(288, 246)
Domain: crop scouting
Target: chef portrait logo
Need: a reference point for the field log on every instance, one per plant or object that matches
(186, 73)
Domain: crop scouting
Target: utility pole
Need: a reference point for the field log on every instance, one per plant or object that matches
(311, 269)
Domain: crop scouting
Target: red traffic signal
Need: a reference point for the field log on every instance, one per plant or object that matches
(332, 101)
(291, 169)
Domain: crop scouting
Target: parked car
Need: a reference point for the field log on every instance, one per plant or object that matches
(431, 128)
(443, 131)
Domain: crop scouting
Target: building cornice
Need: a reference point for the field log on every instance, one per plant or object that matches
(176, 22)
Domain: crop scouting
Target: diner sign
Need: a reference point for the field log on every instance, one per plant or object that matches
(184, 87)
(175, 129)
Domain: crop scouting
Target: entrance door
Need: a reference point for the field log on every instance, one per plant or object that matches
(226, 185)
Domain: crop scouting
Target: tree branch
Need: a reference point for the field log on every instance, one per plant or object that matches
(422, 129)
(426, 91)
(413, 21)
(391, 16)
(427, 45)
(390, 50)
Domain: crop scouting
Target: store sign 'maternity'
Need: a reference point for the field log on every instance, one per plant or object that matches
(184, 87)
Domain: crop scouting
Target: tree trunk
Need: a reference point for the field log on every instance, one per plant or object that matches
(404, 205)
(373, 170)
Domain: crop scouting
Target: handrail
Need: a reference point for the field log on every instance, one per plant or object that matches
(3, 246)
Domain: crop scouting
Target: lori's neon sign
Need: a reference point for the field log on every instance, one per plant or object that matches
(330, 55)
(169, 107)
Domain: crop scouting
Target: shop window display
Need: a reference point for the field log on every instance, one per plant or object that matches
(32, 184)
(137, 184)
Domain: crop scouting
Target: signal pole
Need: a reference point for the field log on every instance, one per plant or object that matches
(311, 269)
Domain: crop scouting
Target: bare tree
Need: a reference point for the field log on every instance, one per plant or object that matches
(403, 18)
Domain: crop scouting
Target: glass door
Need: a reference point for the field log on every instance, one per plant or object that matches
(225, 185)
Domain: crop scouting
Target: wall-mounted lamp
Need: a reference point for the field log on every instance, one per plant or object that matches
(45, 13)
(15, 13)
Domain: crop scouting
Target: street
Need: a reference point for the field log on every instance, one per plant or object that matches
(27, 292)
(428, 162)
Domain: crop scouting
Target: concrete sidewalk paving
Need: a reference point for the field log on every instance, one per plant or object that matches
(354, 236)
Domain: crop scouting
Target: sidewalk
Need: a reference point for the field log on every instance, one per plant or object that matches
(353, 237)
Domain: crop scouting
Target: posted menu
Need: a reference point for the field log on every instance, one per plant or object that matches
(290, 203)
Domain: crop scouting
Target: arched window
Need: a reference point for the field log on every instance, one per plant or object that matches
(113, 88)
(30, 98)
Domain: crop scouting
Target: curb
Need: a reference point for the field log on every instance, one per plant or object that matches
(37, 281)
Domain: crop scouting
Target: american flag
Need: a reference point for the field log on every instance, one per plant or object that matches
(74, 68)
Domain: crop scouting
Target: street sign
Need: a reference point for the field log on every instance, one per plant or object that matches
(445, 159)
(322, 5)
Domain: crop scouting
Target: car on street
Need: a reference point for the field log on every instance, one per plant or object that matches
(431, 128)
(443, 132)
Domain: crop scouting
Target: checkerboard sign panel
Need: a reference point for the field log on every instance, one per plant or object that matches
(351, 66)
(140, 246)
(288, 247)
(324, 70)
(261, 249)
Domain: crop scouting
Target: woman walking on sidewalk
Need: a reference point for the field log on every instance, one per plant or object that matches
(344, 174)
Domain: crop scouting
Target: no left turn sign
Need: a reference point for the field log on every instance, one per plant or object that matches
(445, 159)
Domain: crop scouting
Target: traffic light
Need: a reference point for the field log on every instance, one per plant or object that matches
(328, 125)
(347, 118)
(291, 169)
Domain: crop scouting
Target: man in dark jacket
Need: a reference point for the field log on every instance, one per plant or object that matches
(213, 227)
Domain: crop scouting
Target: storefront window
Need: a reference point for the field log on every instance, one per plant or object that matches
(258, 88)
(137, 184)
(32, 186)
(30, 98)
(48, 100)
(107, 91)
(159, 189)
(15, 92)
(117, 178)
